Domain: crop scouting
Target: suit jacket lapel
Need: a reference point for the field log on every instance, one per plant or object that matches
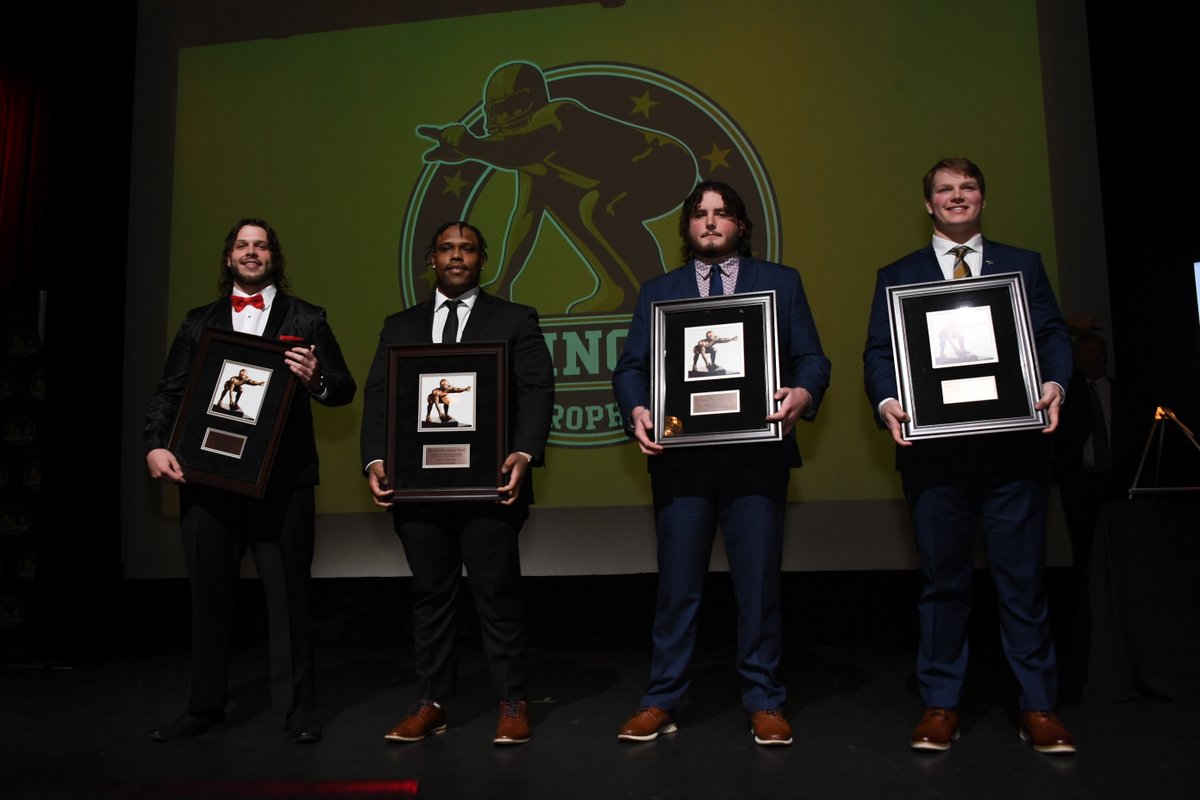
(686, 279)
(929, 267)
(220, 315)
(423, 320)
(477, 322)
(747, 275)
(279, 310)
(988, 266)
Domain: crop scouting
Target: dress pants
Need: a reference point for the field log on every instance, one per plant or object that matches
(1012, 514)
(218, 528)
(439, 540)
(749, 505)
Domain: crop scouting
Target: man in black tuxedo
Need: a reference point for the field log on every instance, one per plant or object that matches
(219, 526)
(440, 538)
(998, 480)
(742, 487)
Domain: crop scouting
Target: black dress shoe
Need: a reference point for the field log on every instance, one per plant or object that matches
(301, 727)
(188, 725)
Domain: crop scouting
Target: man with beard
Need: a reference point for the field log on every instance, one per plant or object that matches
(998, 482)
(743, 487)
(220, 526)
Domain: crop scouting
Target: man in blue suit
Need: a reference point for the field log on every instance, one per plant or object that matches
(997, 481)
(743, 488)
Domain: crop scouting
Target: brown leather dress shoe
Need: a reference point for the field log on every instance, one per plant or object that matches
(770, 728)
(646, 725)
(425, 717)
(514, 727)
(1046, 732)
(937, 730)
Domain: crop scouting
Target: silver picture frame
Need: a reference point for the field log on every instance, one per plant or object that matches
(966, 362)
(715, 370)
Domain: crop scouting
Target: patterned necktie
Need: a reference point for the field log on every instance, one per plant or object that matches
(961, 270)
(239, 303)
(450, 329)
(716, 286)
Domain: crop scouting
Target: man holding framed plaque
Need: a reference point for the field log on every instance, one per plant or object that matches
(742, 487)
(440, 538)
(997, 480)
(220, 525)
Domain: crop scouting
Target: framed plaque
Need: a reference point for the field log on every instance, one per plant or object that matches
(447, 420)
(965, 357)
(715, 371)
(233, 411)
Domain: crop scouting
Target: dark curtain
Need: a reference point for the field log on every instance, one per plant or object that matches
(23, 144)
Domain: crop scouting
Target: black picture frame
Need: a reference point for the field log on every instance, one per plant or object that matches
(434, 460)
(966, 362)
(227, 441)
(722, 392)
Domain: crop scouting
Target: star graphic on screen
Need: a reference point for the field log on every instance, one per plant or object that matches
(643, 104)
(716, 158)
(455, 184)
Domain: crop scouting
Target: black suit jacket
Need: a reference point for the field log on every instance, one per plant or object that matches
(997, 454)
(296, 461)
(531, 374)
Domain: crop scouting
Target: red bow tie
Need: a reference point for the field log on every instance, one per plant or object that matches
(241, 302)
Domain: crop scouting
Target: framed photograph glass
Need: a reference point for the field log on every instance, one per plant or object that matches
(715, 371)
(965, 356)
(233, 411)
(446, 420)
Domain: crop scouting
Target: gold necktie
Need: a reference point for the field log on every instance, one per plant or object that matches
(961, 270)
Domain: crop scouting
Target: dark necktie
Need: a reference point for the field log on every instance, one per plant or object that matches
(716, 286)
(1101, 449)
(450, 329)
(961, 270)
(240, 303)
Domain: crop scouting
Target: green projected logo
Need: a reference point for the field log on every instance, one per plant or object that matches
(576, 175)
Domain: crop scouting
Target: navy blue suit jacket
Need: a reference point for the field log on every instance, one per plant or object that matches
(1002, 454)
(802, 362)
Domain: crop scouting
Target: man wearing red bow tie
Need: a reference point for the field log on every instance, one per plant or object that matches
(220, 526)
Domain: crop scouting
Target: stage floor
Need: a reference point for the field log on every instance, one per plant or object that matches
(80, 730)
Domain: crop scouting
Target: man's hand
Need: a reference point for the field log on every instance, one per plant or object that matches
(1051, 401)
(302, 361)
(515, 467)
(642, 426)
(893, 416)
(381, 495)
(162, 464)
(795, 400)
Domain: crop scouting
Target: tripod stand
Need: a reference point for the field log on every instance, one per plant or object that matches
(1161, 414)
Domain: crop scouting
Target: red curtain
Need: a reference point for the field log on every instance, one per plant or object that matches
(23, 141)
